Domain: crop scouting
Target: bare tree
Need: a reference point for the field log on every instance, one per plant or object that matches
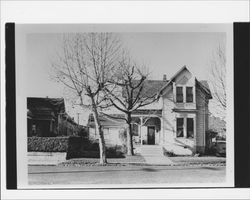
(84, 66)
(130, 94)
(218, 78)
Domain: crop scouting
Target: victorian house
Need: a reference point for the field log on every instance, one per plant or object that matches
(178, 119)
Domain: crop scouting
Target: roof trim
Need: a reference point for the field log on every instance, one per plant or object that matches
(205, 89)
(184, 110)
(171, 79)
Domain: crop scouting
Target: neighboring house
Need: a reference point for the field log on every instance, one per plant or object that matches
(179, 117)
(46, 117)
(111, 128)
(218, 125)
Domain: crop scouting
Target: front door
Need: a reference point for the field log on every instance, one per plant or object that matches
(151, 135)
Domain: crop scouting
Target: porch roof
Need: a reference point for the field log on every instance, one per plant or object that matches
(184, 110)
(157, 112)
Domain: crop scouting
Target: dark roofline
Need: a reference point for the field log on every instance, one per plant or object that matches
(49, 107)
(171, 79)
(105, 121)
(61, 98)
(205, 89)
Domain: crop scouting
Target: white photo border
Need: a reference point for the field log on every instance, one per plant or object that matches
(115, 12)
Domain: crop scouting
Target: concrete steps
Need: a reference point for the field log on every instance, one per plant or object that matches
(153, 154)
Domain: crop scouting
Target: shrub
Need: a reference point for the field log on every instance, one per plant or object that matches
(83, 132)
(115, 152)
(80, 147)
(211, 151)
(75, 146)
(48, 144)
(94, 146)
(168, 153)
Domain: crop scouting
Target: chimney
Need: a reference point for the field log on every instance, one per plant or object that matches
(164, 77)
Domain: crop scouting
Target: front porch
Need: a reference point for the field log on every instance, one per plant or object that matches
(147, 129)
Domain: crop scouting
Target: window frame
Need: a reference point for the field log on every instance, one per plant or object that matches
(188, 95)
(187, 127)
(177, 127)
(177, 94)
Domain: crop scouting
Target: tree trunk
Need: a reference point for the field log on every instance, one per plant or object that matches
(102, 147)
(130, 150)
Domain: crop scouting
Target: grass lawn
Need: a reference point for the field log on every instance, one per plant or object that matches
(139, 160)
(190, 160)
(128, 160)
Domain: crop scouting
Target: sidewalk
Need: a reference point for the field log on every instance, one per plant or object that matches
(46, 158)
(153, 155)
(158, 160)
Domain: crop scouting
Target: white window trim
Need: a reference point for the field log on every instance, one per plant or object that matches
(178, 115)
(184, 93)
(183, 127)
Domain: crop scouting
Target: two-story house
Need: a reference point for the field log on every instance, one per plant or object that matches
(47, 117)
(178, 118)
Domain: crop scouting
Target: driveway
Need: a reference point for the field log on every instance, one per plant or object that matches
(53, 175)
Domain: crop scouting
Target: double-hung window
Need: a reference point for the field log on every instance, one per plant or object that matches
(190, 128)
(179, 94)
(180, 127)
(185, 127)
(189, 94)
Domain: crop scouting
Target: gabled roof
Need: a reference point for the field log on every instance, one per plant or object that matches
(203, 84)
(46, 104)
(150, 88)
(205, 87)
(107, 121)
(172, 78)
(156, 87)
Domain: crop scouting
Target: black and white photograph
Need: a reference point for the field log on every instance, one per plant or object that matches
(125, 99)
(124, 106)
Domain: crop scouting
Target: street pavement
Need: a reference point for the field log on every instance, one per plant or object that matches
(61, 175)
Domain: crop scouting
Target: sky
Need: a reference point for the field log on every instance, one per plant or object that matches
(162, 53)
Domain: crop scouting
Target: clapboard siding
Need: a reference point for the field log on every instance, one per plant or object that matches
(201, 120)
(168, 117)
